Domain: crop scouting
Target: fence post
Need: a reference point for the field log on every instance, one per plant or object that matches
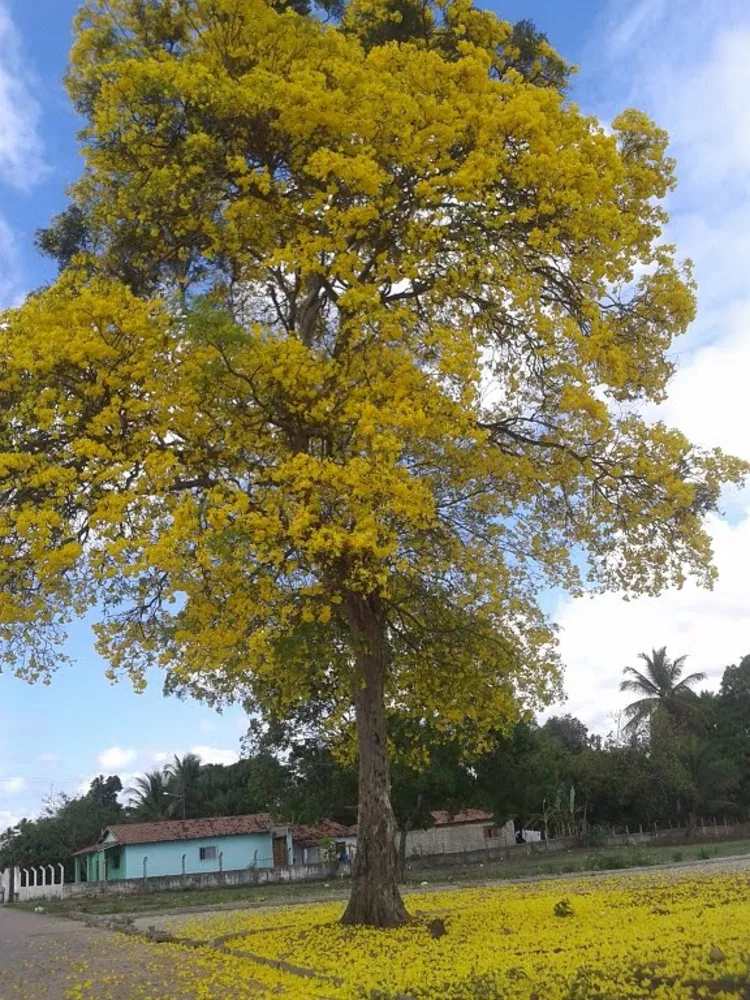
(62, 880)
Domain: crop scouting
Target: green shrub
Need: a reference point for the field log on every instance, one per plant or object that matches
(631, 858)
(639, 858)
(676, 855)
(563, 908)
(594, 836)
(604, 862)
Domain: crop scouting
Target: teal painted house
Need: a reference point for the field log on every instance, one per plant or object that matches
(186, 847)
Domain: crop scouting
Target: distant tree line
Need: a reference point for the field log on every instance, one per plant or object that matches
(676, 757)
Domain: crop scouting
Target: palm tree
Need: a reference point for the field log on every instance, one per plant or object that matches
(662, 687)
(149, 797)
(183, 782)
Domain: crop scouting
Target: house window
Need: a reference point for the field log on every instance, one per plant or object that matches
(491, 832)
(208, 853)
(114, 858)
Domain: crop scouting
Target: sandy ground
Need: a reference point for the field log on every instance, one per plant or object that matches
(48, 958)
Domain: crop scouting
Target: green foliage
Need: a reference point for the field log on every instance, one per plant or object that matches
(66, 825)
(633, 857)
(563, 908)
(662, 688)
(293, 769)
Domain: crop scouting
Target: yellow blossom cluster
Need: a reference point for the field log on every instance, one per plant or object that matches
(668, 937)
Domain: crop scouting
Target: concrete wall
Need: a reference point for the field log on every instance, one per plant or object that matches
(242, 851)
(669, 837)
(40, 882)
(458, 838)
(167, 883)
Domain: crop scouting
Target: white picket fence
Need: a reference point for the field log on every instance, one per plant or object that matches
(42, 882)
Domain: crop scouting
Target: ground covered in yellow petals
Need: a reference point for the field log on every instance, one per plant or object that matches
(629, 936)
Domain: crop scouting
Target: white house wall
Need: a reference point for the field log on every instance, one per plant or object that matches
(454, 838)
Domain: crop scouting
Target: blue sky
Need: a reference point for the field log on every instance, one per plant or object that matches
(686, 62)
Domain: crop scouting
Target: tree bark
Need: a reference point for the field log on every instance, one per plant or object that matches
(375, 900)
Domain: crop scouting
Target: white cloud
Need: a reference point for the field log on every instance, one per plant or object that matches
(115, 758)
(215, 755)
(8, 819)
(51, 759)
(688, 64)
(601, 635)
(709, 398)
(207, 754)
(638, 20)
(10, 271)
(21, 157)
(21, 160)
(12, 786)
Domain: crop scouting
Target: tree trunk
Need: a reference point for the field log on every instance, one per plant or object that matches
(375, 900)
(402, 854)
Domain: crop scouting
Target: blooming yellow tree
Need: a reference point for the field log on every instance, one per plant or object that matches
(343, 367)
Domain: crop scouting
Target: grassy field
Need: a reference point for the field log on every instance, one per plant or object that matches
(518, 868)
(582, 860)
(682, 934)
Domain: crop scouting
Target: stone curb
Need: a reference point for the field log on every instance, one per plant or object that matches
(125, 925)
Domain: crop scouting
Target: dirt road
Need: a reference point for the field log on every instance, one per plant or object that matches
(46, 958)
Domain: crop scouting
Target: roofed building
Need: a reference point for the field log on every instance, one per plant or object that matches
(451, 833)
(197, 846)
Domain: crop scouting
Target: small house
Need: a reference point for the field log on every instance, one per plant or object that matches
(324, 841)
(185, 847)
(467, 830)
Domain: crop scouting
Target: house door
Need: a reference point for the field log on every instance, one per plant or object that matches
(279, 852)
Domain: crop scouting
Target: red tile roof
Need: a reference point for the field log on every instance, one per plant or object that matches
(443, 818)
(191, 829)
(327, 829)
(183, 829)
(90, 850)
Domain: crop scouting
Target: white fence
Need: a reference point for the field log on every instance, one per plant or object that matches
(43, 882)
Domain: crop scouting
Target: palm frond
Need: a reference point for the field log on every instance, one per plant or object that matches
(641, 709)
(687, 682)
(638, 682)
